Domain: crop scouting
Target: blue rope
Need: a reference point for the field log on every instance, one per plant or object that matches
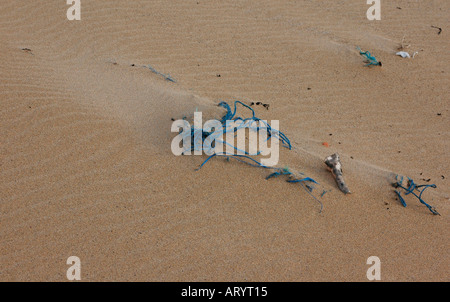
(278, 172)
(303, 179)
(370, 58)
(229, 115)
(237, 157)
(246, 157)
(323, 193)
(410, 190)
(167, 77)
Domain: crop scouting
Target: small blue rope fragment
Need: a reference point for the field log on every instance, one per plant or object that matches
(274, 174)
(303, 179)
(167, 77)
(323, 193)
(370, 58)
(284, 171)
(401, 198)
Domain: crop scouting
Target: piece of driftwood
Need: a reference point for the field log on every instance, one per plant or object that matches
(334, 165)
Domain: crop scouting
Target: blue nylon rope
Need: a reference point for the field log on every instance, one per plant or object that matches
(278, 172)
(410, 190)
(246, 157)
(167, 77)
(372, 60)
(246, 122)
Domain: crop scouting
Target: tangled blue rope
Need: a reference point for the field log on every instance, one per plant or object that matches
(410, 190)
(305, 182)
(231, 116)
(370, 58)
(245, 123)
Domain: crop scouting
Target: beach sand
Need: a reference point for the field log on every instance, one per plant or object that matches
(86, 167)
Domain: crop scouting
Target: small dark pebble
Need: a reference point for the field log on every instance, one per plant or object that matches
(309, 88)
(172, 119)
(439, 114)
(133, 65)
(331, 134)
(218, 75)
(443, 177)
(259, 103)
(398, 7)
(351, 157)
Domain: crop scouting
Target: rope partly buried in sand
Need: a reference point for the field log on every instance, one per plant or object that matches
(333, 161)
(305, 182)
(167, 77)
(411, 187)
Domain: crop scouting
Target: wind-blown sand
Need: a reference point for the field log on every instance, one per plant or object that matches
(86, 167)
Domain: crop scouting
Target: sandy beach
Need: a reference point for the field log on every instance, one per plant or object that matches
(86, 167)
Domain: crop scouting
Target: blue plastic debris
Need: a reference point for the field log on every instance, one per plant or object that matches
(167, 77)
(410, 189)
(305, 182)
(370, 59)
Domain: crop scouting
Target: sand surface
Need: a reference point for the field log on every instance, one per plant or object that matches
(86, 167)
